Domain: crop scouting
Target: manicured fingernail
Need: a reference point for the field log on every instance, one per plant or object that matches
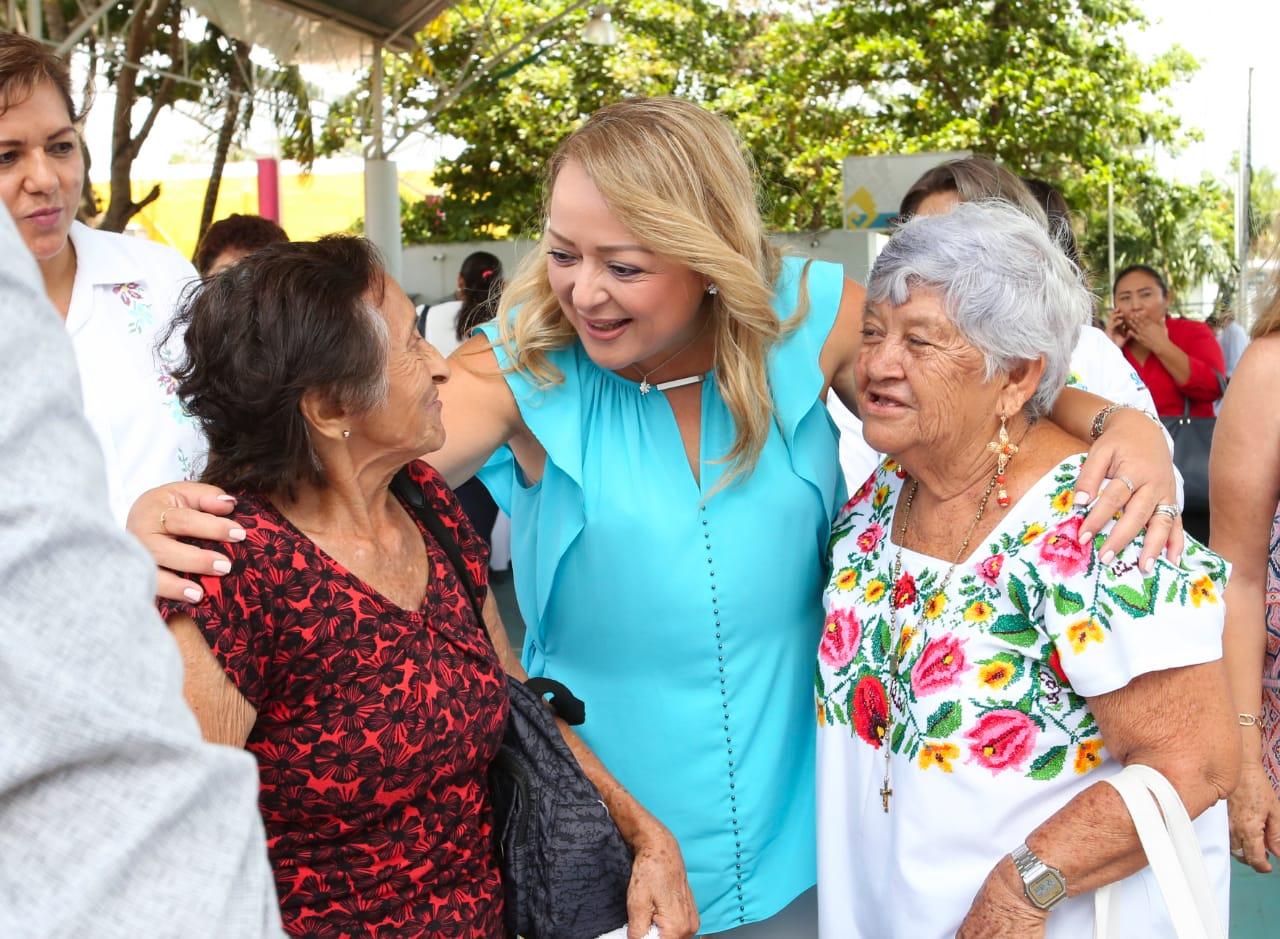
(226, 498)
(1082, 498)
(193, 594)
(222, 566)
(1108, 556)
(236, 534)
(1085, 536)
(1148, 565)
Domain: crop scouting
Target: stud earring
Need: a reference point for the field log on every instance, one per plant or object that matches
(712, 290)
(1004, 449)
(346, 433)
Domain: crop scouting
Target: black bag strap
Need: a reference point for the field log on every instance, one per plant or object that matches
(402, 485)
(567, 706)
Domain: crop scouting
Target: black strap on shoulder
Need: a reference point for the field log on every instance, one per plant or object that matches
(567, 706)
(409, 491)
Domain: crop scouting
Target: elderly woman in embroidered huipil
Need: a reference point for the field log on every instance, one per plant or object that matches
(983, 667)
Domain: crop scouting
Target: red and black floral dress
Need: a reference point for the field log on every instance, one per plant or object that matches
(376, 727)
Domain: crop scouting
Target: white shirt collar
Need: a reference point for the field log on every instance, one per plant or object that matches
(103, 258)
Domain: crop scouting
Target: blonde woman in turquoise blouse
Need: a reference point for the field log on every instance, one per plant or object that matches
(649, 408)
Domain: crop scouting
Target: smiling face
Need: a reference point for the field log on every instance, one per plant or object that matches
(41, 170)
(409, 423)
(628, 305)
(921, 387)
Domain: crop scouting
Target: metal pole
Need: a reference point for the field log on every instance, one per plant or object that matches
(35, 18)
(1243, 185)
(1111, 240)
(379, 153)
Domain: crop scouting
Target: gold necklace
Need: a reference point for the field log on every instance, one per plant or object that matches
(895, 637)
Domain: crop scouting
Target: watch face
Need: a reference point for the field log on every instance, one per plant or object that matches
(1046, 890)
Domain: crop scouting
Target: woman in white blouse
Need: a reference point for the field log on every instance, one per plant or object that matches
(980, 645)
(115, 293)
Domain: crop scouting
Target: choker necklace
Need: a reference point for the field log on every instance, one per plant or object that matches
(645, 387)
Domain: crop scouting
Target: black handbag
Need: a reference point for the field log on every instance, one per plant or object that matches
(565, 867)
(1192, 442)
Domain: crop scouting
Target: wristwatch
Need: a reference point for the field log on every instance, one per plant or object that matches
(1044, 885)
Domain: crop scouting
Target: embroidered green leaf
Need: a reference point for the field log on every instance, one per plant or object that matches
(945, 721)
(895, 742)
(1172, 593)
(882, 640)
(1015, 629)
(817, 680)
(1048, 765)
(1087, 722)
(1067, 602)
(1018, 594)
(1133, 602)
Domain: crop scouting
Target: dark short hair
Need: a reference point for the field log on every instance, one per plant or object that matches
(288, 319)
(973, 179)
(1145, 269)
(236, 232)
(24, 64)
(1059, 215)
(481, 274)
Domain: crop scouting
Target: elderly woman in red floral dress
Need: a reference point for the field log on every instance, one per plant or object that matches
(980, 646)
(340, 647)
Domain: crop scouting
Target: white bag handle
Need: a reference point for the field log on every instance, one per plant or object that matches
(1173, 852)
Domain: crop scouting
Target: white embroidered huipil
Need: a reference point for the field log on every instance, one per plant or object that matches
(125, 293)
(990, 729)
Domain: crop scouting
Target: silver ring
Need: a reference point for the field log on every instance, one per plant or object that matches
(1127, 481)
(1169, 509)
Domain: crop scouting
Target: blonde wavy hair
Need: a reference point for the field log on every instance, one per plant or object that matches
(1269, 318)
(680, 180)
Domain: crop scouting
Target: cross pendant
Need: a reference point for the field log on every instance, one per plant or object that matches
(645, 387)
(885, 792)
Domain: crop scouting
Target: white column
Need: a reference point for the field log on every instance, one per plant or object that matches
(381, 183)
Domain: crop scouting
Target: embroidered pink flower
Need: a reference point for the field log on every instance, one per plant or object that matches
(989, 570)
(871, 711)
(904, 591)
(869, 538)
(1002, 740)
(940, 665)
(840, 635)
(1061, 548)
(864, 492)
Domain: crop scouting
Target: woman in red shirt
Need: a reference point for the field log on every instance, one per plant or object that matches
(1178, 360)
(340, 647)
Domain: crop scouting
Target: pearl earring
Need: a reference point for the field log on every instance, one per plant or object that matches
(346, 433)
(713, 290)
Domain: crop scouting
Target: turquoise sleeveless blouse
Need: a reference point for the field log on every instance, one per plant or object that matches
(689, 629)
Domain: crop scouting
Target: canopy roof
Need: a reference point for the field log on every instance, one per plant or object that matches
(390, 22)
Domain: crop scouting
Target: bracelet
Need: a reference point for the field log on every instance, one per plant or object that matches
(1248, 720)
(1100, 418)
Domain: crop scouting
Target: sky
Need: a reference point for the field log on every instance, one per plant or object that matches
(1226, 36)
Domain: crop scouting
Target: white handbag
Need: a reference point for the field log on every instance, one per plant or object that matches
(1173, 852)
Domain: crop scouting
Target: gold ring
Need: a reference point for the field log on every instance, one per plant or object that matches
(163, 527)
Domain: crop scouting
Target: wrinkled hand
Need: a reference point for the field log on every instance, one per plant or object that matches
(1254, 811)
(189, 510)
(1001, 909)
(659, 891)
(1134, 446)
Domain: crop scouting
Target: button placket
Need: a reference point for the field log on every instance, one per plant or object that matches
(725, 723)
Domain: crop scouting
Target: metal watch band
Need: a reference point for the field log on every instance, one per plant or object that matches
(1045, 886)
